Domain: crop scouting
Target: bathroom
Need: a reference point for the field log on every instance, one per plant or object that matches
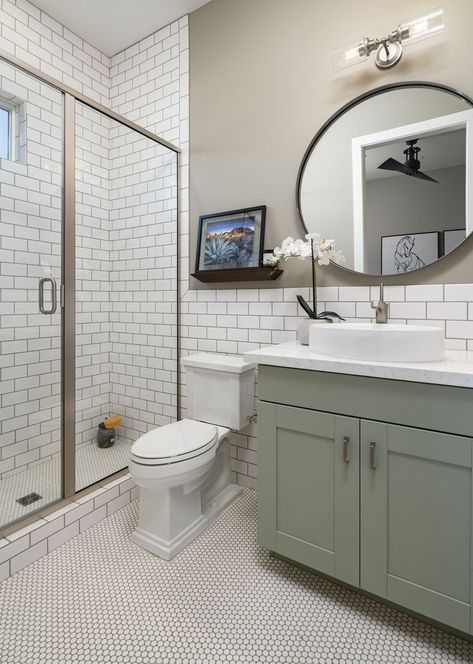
(326, 513)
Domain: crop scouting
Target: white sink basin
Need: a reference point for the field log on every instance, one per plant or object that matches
(378, 343)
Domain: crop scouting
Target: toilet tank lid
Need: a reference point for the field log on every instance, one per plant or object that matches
(218, 362)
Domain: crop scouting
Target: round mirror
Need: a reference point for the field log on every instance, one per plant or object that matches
(389, 177)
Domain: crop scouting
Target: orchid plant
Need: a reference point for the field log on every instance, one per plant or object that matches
(321, 251)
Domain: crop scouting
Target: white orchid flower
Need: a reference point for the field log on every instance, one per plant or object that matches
(322, 249)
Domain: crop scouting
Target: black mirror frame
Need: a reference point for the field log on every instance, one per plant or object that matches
(344, 109)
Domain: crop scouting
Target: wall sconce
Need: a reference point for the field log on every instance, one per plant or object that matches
(389, 49)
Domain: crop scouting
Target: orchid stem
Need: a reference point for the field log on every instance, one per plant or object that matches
(314, 294)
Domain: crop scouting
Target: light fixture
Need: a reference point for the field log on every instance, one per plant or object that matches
(389, 49)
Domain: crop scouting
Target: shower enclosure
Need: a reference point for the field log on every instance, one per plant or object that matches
(88, 289)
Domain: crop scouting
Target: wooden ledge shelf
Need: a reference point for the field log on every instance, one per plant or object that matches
(266, 273)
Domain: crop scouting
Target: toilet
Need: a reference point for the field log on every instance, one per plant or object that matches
(183, 469)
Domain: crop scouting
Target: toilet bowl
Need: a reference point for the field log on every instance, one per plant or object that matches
(183, 469)
(183, 473)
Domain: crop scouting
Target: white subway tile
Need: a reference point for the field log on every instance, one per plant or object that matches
(62, 536)
(424, 293)
(407, 309)
(353, 293)
(459, 292)
(27, 557)
(447, 310)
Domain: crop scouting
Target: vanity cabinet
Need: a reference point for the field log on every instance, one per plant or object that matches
(416, 517)
(308, 495)
(377, 504)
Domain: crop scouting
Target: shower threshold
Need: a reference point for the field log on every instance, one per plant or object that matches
(44, 479)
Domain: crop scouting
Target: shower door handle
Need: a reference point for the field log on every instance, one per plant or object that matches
(42, 308)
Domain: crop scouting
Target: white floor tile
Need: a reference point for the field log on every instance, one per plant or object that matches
(100, 598)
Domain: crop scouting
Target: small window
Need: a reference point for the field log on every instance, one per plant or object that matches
(5, 133)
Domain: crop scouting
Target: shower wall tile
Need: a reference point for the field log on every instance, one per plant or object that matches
(149, 85)
(143, 317)
(92, 189)
(38, 40)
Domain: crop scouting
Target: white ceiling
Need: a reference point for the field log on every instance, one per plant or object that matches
(113, 25)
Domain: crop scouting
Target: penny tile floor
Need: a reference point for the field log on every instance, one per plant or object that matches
(99, 598)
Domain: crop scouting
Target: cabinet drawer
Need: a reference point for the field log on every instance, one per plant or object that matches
(434, 407)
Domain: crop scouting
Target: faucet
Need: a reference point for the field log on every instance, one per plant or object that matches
(381, 307)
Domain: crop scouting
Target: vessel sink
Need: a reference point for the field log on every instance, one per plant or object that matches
(378, 343)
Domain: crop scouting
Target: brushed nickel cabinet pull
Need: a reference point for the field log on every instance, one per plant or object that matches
(345, 441)
(372, 449)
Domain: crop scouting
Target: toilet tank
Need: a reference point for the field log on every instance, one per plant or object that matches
(220, 389)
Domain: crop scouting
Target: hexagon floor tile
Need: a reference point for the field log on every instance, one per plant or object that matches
(99, 598)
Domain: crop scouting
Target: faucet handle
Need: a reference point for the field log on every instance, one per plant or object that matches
(381, 292)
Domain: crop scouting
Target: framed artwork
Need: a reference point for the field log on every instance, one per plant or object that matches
(451, 239)
(408, 252)
(229, 240)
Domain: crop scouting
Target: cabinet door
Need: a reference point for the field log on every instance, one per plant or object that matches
(308, 488)
(416, 517)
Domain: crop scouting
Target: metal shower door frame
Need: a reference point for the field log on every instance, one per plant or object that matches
(67, 295)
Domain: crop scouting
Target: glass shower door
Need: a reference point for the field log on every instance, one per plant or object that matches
(126, 290)
(31, 182)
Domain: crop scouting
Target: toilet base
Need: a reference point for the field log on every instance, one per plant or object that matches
(167, 549)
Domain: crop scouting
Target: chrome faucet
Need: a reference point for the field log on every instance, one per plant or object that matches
(381, 307)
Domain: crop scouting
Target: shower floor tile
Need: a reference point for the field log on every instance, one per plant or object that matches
(99, 598)
(92, 464)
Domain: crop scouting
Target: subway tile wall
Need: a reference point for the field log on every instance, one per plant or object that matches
(35, 38)
(143, 282)
(93, 264)
(102, 233)
(149, 85)
(126, 258)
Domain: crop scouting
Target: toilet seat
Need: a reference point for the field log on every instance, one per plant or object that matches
(174, 443)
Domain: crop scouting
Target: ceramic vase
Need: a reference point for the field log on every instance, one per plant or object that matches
(303, 328)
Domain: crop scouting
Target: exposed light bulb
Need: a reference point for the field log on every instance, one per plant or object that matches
(347, 56)
(422, 27)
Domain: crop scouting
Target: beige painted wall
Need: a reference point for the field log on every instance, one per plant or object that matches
(261, 85)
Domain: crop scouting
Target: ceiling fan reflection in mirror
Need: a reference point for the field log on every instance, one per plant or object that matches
(411, 166)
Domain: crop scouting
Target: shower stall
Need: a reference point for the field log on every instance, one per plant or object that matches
(88, 289)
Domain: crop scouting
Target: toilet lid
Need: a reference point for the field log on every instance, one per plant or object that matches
(174, 442)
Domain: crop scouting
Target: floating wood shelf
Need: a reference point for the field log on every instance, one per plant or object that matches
(265, 273)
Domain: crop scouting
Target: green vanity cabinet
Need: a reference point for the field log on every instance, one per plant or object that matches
(376, 504)
(416, 518)
(309, 488)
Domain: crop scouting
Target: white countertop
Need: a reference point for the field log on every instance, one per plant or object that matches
(456, 369)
